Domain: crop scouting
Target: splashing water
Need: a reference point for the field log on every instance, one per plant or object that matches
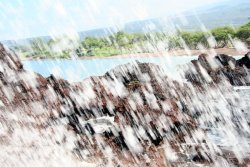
(148, 106)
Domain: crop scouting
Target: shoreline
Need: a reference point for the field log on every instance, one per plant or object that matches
(176, 52)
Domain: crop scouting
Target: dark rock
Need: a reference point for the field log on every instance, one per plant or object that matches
(225, 59)
(244, 61)
(218, 69)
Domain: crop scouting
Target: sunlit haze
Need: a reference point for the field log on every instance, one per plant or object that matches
(28, 18)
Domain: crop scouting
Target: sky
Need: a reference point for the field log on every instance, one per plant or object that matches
(29, 18)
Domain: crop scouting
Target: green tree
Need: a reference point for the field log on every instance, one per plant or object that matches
(138, 37)
(39, 48)
(123, 39)
(52, 42)
(80, 51)
(38, 45)
(192, 39)
(222, 35)
(92, 43)
(243, 32)
(173, 41)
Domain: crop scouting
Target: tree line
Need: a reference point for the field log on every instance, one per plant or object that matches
(122, 43)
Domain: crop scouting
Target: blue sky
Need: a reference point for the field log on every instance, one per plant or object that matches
(29, 18)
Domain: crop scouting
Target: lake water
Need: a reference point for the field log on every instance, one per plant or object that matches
(77, 70)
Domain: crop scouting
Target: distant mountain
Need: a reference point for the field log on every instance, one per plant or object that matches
(13, 43)
(229, 12)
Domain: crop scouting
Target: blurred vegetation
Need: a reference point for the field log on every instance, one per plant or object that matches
(125, 43)
(222, 36)
(243, 33)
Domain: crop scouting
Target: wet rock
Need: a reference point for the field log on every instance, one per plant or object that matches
(244, 61)
(220, 68)
(134, 109)
(225, 60)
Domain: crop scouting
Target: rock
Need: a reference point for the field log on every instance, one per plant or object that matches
(244, 61)
(217, 69)
(225, 60)
(133, 109)
(10, 59)
(134, 93)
